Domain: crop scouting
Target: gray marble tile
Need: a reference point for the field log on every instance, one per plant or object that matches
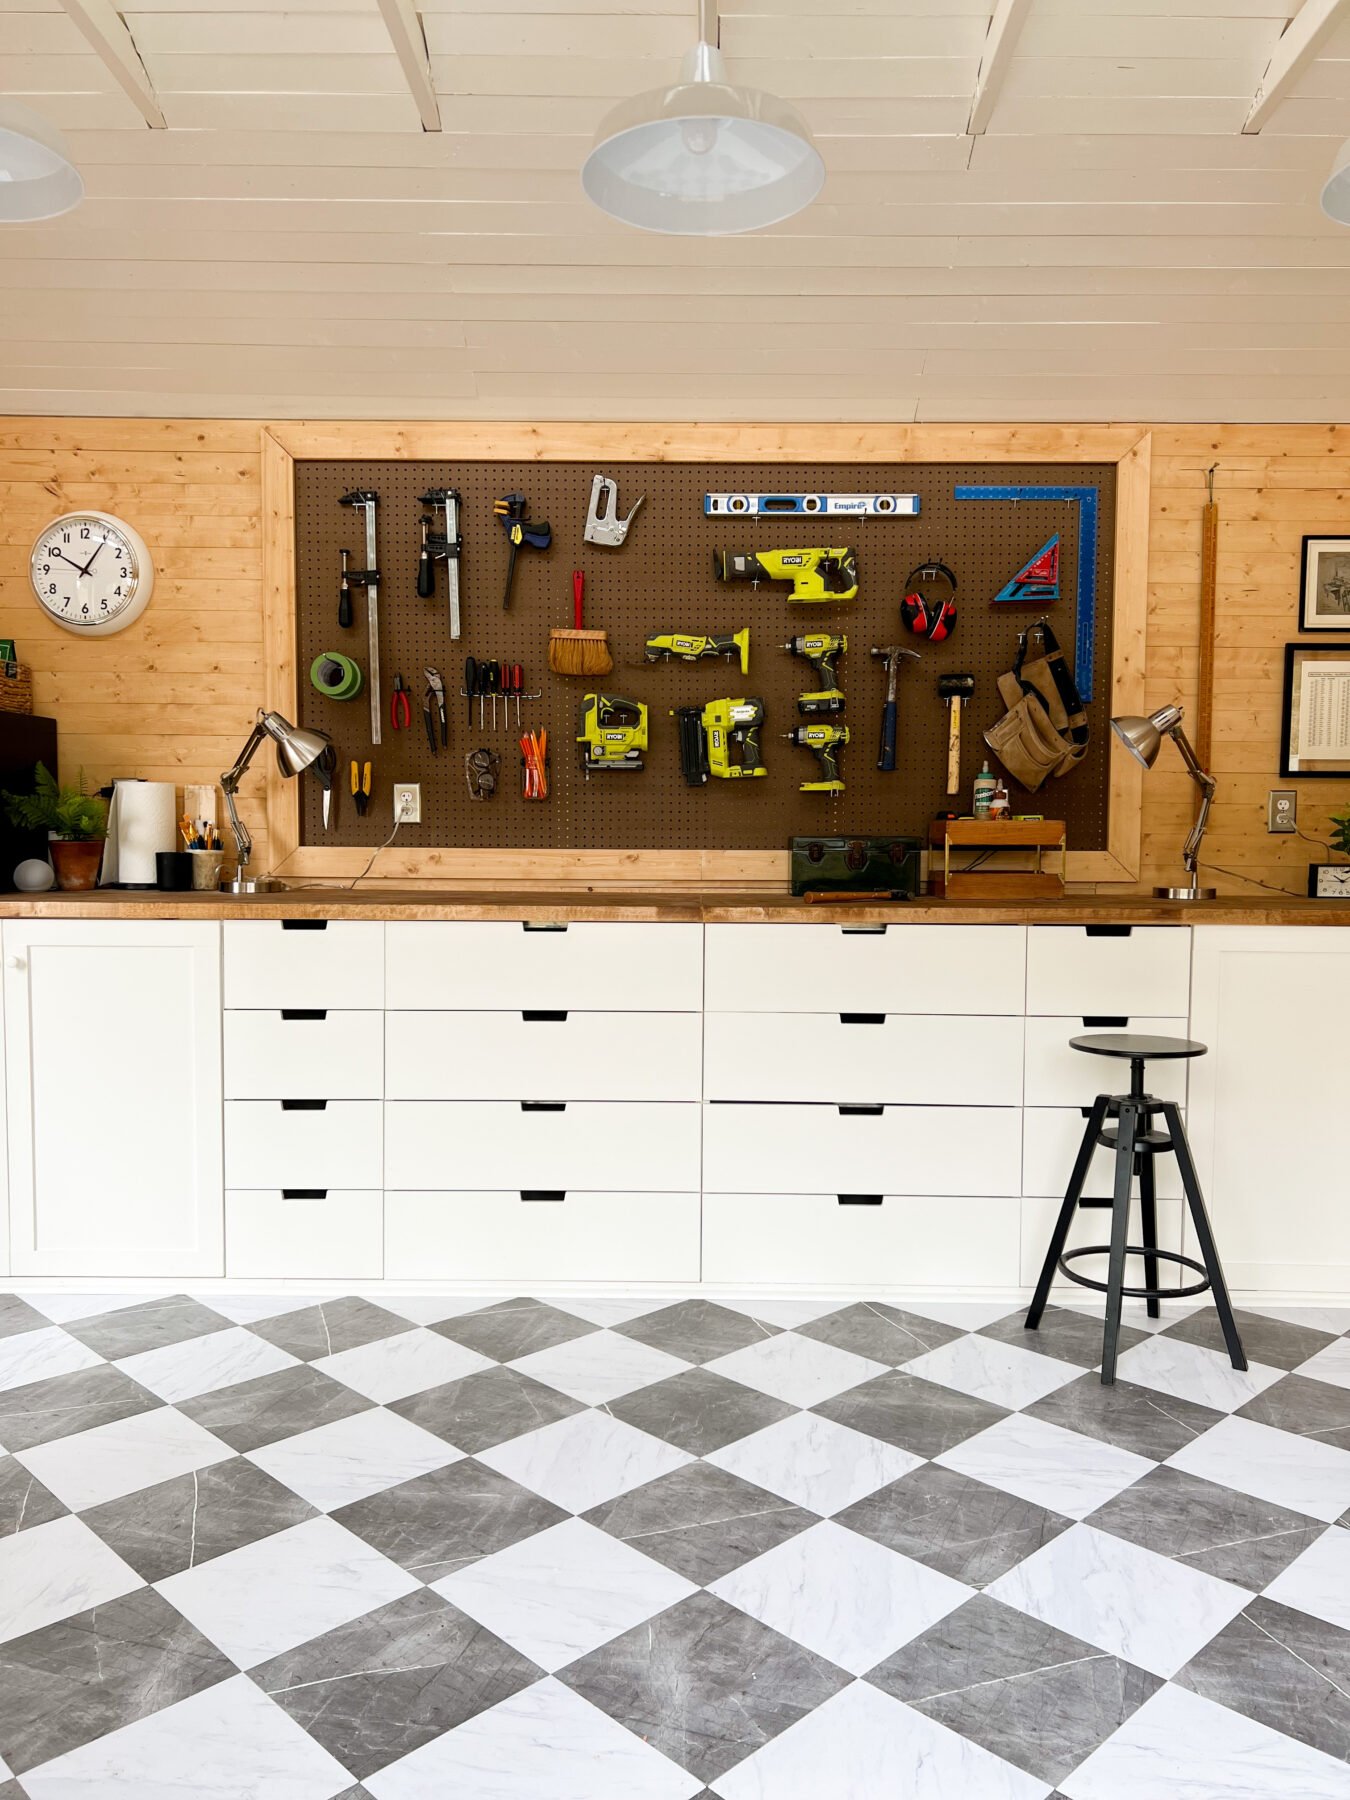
(953, 1523)
(1233, 1536)
(148, 1326)
(270, 1407)
(16, 1315)
(331, 1326)
(700, 1521)
(91, 1674)
(705, 1684)
(883, 1333)
(352, 1793)
(10, 1790)
(917, 1415)
(65, 1404)
(513, 1328)
(1271, 1341)
(376, 1689)
(182, 1523)
(1141, 1419)
(480, 1411)
(1032, 1694)
(699, 1411)
(1316, 1409)
(697, 1330)
(24, 1502)
(439, 1522)
(1071, 1336)
(1283, 1668)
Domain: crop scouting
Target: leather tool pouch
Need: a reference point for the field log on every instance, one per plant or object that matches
(1045, 730)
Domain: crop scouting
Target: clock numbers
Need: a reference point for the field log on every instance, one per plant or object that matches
(91, 573)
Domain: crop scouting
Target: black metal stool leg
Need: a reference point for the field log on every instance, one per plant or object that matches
(1148, 1221)
(1204, 1236)
(1072, 1195)
(1120, 1231)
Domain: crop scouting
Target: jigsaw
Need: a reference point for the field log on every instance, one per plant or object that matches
(817, 576)
(708, 735)
(690, 647)
(613, 732)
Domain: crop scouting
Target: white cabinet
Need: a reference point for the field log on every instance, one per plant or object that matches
(271, 963)
(813, 968)
(562, 1235)
(548, 1055)
(510, 965)
(1095, 971)
(925, 1059)
(872, 1240)
(114, 1097)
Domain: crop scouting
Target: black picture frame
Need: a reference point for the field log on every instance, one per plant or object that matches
(1317, 544)
(1289, 763)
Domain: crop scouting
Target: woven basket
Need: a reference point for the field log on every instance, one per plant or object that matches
(16, 688)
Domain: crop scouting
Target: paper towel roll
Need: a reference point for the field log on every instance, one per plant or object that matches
(144, 820)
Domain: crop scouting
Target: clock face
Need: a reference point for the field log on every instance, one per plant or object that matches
(92, 573)
(1333, 881)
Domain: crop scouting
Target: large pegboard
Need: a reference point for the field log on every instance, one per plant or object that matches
(662, 580)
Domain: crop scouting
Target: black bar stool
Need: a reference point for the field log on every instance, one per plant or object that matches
(1136, 1144)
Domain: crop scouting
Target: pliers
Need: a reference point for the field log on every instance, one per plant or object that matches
(361, 787)
(433, 702)
(400, 712)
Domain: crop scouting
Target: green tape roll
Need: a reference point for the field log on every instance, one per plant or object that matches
(336, 675)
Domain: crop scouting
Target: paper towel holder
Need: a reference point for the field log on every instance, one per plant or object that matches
(297, 748)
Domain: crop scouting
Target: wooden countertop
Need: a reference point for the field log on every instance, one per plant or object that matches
(719, 907)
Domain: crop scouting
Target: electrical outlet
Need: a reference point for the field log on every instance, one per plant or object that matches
(408, 802)
(1282, 810)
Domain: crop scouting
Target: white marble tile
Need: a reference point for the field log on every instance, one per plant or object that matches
(842, 1595)
(1316, 1318)
(1179, 1746)
(5, 1770)
(1134, 1313)
(247, 1309)
(785, 1310)
(38, 1355)
(961, 1315)
(1003, 1373)
(600, 1366)
(862, 1745)
(579, 1462)
(350, 1459)
(202, 1364)
(430, 1309)
(410, 1362)
(612, 1309)
(121, 1458)
(1301, 1473)
(1146, 1608)
(1190, 1372)
(564, 1592)
(1331, 1364)
(229, 1742)
(815, 1462)
(544, 1743)
(796, 1369)
(63, 1308)
(1318, 1582)
(51, 1571)
(1061, 1470)
(285, 1589)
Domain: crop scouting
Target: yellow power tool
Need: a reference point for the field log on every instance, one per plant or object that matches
(817, 576)
(708, 734)
(825, 741)
(613, 731)
(693, 647)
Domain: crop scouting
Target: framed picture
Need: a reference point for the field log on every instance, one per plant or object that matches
(1315, 731)
(1324, 584)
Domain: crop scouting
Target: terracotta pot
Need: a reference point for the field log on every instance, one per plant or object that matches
(76, 862)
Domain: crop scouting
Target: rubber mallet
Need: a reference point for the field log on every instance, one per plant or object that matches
(956, 691)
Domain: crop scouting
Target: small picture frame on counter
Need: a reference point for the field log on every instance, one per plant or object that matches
(1324, 584)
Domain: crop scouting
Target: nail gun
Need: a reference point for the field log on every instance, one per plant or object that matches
(822, 650)
(825, 742)
(613, 731)
(707, 734)
(690, 647)
(818, 576)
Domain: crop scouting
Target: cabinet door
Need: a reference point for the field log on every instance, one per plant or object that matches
(114, 1097)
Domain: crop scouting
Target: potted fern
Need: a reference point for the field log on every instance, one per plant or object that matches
(75, 822)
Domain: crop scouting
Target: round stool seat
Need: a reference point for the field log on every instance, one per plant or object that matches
(1131, 1046)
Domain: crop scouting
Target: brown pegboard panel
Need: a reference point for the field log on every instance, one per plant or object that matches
(662, 580)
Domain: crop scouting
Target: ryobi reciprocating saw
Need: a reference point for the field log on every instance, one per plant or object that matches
(818, 576)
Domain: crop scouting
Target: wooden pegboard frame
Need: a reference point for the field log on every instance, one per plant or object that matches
(604, 445)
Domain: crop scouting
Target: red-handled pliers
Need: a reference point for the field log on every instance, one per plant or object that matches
(400, 712)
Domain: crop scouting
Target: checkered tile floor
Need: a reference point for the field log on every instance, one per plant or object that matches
(611, 1550)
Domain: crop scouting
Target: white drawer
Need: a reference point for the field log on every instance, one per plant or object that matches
(507, 965)
(1082, 970)
(304, 1054)
(1093, 1226)
(571, 1235)
(904, 1241)
(1059, 1076)
(895, 1149)
(891, 1057)
(304, 962)
(271, 1145)
(628, 1146)
(315, 1234)
(1050, 1139)
(546, 1055)
(839, 968)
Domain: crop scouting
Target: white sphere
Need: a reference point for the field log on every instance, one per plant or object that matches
(34, 876)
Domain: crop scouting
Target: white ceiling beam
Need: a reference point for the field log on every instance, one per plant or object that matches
(1303, 38)
(1005, 27)
(107, 34)
(410, 46)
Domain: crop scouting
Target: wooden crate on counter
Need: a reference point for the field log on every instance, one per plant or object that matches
(986, 837)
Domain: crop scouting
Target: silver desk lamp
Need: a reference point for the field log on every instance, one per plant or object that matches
(1143, 739)
(297, 749)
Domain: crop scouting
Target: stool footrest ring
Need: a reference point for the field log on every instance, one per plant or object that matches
(1137, 1293)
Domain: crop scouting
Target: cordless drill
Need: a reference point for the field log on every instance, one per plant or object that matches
(825, 742)
(822, 649)
(818, 576)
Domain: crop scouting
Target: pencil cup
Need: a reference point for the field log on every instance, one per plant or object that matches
(206, 869)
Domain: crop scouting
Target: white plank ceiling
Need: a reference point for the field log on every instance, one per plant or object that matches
(295, 243)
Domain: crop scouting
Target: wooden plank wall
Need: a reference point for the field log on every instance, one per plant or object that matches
(173, 697)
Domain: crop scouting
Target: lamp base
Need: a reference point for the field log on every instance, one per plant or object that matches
(253, 884)
(1185, 893)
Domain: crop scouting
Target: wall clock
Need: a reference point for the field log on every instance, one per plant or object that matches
(92, 573)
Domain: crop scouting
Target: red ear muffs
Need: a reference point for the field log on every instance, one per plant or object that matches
(930, 615)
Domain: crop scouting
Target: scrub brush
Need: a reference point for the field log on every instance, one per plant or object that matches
(579, 652)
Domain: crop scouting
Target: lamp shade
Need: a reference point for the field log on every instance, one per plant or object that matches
(1336, 190)
(1143, 737)
(703, 158)
(37, 178)
(297, 747)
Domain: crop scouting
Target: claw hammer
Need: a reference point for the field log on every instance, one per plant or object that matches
(891, 655)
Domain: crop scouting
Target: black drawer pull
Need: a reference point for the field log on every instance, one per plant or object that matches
(859, 1199)
(304, 1193)
(1108, 930)
(553, 1195)
(862, 1018)
(303, 1105)
(862, 1112)
(543, 1106)
(304, 1012)
(540, 925)
(544, 1016)
(1105, 1022)
(304, 924)
(862, 930)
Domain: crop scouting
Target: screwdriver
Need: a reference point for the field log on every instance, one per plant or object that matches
(518, 687)
(344, 594)
(470, 687)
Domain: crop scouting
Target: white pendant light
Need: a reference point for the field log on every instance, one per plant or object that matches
(1336, 192)
(37, 178)
(703, 158)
